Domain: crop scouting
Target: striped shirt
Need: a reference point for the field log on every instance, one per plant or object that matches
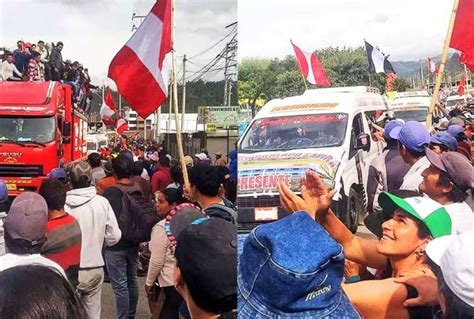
(63, 244)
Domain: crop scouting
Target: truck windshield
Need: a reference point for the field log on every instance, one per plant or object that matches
(418, 115)
(27, 129)
(294, 132)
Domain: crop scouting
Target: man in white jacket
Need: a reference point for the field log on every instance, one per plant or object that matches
(98, 225)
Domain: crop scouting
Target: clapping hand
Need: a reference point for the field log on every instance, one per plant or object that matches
(315, 199)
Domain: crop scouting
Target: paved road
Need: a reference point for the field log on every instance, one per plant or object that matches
(108, 301)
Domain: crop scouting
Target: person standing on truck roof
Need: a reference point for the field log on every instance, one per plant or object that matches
(35, 72)
(8, 70)
(413, 139)
(386, 171)
(56, 62)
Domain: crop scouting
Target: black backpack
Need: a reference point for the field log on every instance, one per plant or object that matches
(138, 215)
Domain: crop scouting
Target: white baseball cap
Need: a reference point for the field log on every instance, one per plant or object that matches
(453, 254)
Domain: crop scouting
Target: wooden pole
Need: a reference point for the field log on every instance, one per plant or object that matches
(447, 41)
(175, 103)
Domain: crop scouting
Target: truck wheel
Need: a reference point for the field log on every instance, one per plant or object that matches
(355, 209)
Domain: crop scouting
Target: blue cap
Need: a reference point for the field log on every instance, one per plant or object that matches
(413, 135)
(391, 125)
(57, 173)
(456, 130)
(446, 139)
(3, 192)
(282, 275)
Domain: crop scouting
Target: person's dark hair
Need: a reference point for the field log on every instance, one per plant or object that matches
(123, 166)
(455, 195)
(443, 147)
(177, 175)
(21, 246)
(390, 142)
(54, 193)
(164, 161)
(40, 42)
(94, 160)
(173, 195)
(137, 168)
(59, 43)
(35, 291)
(9, 54)
(206, 179)
(35, 54)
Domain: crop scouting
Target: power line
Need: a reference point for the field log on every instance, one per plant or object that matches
(233, 30)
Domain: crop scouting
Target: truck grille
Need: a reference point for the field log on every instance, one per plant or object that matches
(21, 170)
(260, 201)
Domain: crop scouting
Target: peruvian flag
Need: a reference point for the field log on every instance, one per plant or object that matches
(137, 69)
(121, 125)
(462, 83)
(107, 110)
(462, 38)
(311, 67)
(431, 65)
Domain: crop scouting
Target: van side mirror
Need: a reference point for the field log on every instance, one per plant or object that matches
(67, 129)
(363, 142)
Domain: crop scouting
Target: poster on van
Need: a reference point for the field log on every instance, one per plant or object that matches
(260, 173)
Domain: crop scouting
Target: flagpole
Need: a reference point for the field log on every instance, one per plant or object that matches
(175, 101)
(447, 41)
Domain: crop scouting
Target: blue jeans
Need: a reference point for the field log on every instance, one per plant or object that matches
(122, 267)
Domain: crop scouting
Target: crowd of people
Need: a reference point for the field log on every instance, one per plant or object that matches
(418, 265)
(37, 62)
(117, 217)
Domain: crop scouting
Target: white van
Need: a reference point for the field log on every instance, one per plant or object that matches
(326, 130)
(411, 106)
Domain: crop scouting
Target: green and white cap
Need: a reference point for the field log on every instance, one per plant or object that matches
(431, 213)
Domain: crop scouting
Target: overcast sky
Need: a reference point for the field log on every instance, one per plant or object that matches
(405, 29)
(94, 30)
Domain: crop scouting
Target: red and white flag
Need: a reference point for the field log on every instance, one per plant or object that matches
(137, 69)
(311, 67)
(462, 38)
(107, 110)
(121, 125)
(431, 65)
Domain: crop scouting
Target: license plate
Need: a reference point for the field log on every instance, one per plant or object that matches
(11, 187)
(266, 213)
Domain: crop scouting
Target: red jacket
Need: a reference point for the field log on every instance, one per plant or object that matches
(161, 179)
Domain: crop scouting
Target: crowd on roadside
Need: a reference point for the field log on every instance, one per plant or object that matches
(43, 61)
(419, 263)
(118, 217)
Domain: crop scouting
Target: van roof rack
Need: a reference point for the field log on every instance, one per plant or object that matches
(346, 89)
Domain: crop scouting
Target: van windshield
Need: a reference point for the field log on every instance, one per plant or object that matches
(295, 132)
(418, 115)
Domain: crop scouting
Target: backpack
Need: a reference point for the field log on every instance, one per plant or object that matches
(222, 211)
(138, 215)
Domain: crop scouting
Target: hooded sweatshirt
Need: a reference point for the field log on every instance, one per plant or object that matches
(233, 165)
(97, 221)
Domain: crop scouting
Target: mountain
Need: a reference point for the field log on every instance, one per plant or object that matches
(408, 69)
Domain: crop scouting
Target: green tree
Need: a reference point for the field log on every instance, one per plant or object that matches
(401, 85)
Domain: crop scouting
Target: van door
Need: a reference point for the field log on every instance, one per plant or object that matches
(356, 157)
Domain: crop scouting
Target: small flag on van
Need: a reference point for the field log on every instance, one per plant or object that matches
(378, 62)
(311, 67)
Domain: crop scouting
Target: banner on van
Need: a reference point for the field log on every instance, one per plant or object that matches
(260, 173)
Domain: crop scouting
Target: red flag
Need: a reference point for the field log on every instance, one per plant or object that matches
(431, 65)
(462, 83)
(121, 126)
(109, 100)
(137, 69)
(462, 38)
(311, 67)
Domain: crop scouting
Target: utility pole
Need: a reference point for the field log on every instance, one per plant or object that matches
(421, 70)
(120, 104)
(230, 63)
(183, 107)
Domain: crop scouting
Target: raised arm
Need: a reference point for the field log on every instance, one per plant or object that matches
(317, 200)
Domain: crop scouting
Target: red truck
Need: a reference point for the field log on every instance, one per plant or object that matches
(39, 131)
